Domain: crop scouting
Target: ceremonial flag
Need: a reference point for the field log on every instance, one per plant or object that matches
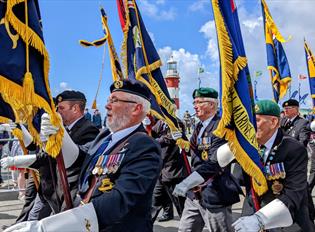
(201, 70)
(142, 62)
(238, 121)
(276, 59)
(294, 94)
(258, 73)
(114, 60)
(310, 63)
(24, 66)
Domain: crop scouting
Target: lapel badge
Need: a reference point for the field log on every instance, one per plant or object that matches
(204, 155)
(276, 187)
(106, 185)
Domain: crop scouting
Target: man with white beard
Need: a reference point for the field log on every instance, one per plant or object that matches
(119, 173)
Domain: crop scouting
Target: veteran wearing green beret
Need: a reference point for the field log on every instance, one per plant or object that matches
(210, 206)
(285, 161)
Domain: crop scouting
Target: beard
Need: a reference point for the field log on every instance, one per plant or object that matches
(118, 122)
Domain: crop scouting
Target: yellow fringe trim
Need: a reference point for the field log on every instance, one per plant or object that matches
(4, 119)
(183, 144)
(123, 53)
(271, 24)
(229, 72)
(30, 37)
(284, 82)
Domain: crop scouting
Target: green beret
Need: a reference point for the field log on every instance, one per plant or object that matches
(267, 107)
(205, 92)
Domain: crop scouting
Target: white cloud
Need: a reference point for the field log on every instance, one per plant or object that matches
(291, 19)
(251, 24)
(209, 31)
(63, 85)
(187, 65)
(160, 2)
(198, 5)
(155, 11)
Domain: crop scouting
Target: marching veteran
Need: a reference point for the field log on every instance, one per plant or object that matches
(210, 189)
(285, 161)
(294, 125)
(119, 173)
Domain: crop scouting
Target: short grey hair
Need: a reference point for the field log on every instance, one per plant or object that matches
(140, 100)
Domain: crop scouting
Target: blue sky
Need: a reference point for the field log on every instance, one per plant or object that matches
(182, 28)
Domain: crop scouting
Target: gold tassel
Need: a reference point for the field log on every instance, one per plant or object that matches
(28, 89)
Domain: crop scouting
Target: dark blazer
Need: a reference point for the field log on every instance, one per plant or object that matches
(294, 193)
(298, 129)
(126, 207)
(223, 189)
(82, 132)
(174, 168)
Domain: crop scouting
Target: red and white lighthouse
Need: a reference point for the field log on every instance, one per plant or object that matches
(172, 81)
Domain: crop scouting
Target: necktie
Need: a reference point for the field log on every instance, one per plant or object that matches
(100, 151)
(262, 150)
(194, 137)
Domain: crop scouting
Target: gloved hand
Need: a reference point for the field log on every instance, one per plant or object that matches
(27, 137)
(7, 162)
(25, 227)
(82, 218)
(191, 181)
(273, 215)
(22, 161)
(249, 223)
(7, 127)
(70, 150)
(46, 128)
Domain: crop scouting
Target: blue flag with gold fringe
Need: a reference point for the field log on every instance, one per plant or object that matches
(276, 59)
(310, 63)
(24, 66)
(238, 123)
(142, 62)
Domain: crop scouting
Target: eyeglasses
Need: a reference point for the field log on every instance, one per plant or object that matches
(199, 102)
(114, 100)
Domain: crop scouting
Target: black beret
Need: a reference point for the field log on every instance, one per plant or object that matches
(131, 86)
(205, 92)
(267, 107)
(291, 102)
(70, 95)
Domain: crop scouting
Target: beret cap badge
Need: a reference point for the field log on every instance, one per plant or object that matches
(59, 99)
(118, 84)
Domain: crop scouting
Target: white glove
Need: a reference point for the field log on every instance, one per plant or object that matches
(7, 127)
(273, 215)
(27, 137)
(82, 218)
(146, 121)
(191, 181)
(248, 223)
(224, 155)
(70, 150)
(21, 161)
(46, 128)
